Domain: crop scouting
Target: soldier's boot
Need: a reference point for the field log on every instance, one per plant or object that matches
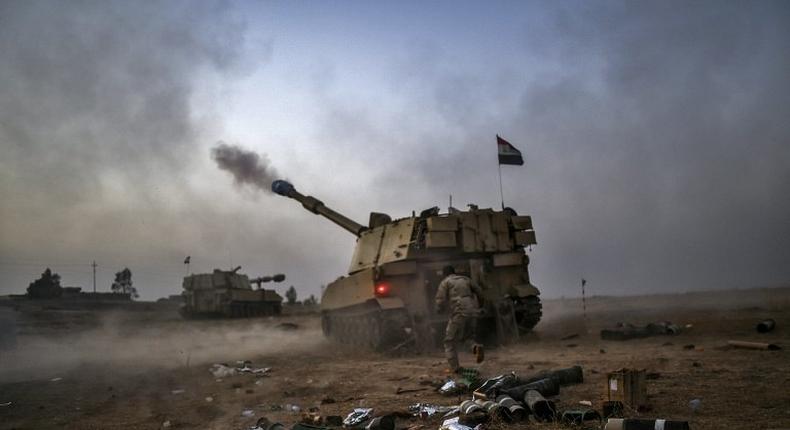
(479, 352)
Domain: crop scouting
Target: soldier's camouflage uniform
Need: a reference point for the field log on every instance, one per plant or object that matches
(462, 295)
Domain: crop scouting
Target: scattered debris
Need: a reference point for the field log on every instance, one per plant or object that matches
(626, 331)
(653, 375)
(178, 391)
(585, 403)
(696, 364)
(425, 410)
(166, 424)
(494, 409)
(571, 345)
(547, 383)
(628, 386)
(287, 326)
(512, 410)
(689, 346)
(496, 384)
(359, 416)
(753, 345)
(327, 401)
(453, 424)
(542, 409)
(452, 387)
(602, 351)
(55, 379)
(546, 387)
(3, 405)
(766, 325)
(472, 413)
(209, 399)
(247, 413)
(580, 416)
(570, 336)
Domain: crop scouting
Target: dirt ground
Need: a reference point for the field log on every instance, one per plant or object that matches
(150, 370)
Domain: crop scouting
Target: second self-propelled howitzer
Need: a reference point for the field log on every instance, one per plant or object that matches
(229, 294)
(387, 297)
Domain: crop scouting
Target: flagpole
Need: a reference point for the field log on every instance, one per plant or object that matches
(501, 193)
(584, 304)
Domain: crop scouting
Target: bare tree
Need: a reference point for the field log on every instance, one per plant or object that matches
(290, 295)
(123, 283)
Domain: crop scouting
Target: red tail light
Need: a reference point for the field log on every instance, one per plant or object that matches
(382, 290)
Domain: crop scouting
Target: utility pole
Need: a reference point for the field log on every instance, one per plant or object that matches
(584, 303)
(94, 276)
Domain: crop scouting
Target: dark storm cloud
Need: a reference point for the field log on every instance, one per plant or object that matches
(666, 136)
(247, 167)
(96, 86)
(655, 136)
(99, 133)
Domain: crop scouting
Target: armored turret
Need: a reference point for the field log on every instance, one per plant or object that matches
(387, 296)
(227, 293)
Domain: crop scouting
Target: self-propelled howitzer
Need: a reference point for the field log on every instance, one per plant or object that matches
(387, 297)
(229, 294)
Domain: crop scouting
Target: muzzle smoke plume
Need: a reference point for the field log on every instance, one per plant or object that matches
(247, 167)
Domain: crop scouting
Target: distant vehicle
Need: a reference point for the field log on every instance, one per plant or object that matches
(228, 294)
(387, 298)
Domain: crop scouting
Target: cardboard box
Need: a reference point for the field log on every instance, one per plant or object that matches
(627, 386)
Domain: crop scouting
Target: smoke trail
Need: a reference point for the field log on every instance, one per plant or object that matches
(247, 167)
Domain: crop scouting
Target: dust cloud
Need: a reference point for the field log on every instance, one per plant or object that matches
(247, 167)
(123, 341)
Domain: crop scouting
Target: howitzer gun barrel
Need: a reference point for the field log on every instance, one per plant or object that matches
(284, 188)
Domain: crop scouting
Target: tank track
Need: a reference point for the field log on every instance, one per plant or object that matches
(528, 311)
(252, 309)
(372, 328)
(236, 310)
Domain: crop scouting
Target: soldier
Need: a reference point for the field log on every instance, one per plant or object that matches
(463, 295)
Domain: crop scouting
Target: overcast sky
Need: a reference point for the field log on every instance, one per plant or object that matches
(656, 135)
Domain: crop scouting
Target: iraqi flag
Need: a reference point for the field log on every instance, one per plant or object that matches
(508, 154)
